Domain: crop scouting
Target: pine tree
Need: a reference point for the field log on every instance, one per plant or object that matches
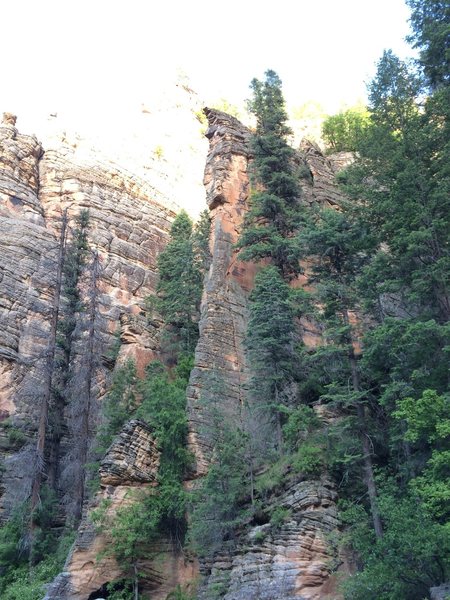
(74, 260)
(430, 20)
(180, 284)
(402, 177)
(274, 215)
(270, 345)
(337, 244)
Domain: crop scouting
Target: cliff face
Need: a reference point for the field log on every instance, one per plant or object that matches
(129, 224)
(128, 228)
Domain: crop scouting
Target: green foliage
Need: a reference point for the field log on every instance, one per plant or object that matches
(131, 528)
(279, 516)
(412, 556)
(309, 459)
(430, 21)
(17, 581)
(152, 513)
(427, 417)
(407, 356)
(164, 407)
(273, 477)
(301, 421)
(12, 542)
(16, 437)
(200, 242)
(398, 271)
(180, 594)
(269, 341)
(118, 405)
(227, 107)
(259, 537)
(274, 213)
(428, 422)
(181, 266)
(218, 509)
(342, 131)
(404, 155)
(74, 260)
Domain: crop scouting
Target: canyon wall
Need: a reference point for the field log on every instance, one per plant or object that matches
(129, 225)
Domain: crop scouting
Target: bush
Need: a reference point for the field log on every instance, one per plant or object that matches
(279, 516)
(309, 460)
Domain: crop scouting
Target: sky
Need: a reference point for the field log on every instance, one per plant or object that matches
(100, 57)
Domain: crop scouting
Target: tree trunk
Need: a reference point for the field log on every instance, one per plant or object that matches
(278, 423)
(136, 582)
(45, 402)
(369, 479)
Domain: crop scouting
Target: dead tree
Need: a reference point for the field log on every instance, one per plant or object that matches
(75, 258)
(87, 395)
(46, 396)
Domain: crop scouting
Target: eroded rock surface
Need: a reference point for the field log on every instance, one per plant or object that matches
(128, 470)
(129, 224)
(219, 359)
(133, 457)
(128, 227)
(282, 562)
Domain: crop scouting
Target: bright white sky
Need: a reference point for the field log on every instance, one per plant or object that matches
(102, 56)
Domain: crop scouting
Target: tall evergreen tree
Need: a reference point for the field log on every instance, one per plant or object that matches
(274, 214)
(74, 260)
(402, 177)
(430, 21)
(270, 346)
(337, 242)
(41, 446)
(180, 284)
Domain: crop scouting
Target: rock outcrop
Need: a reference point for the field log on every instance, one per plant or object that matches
(280, 562)
(133, 457)
(219, 357)
(292, 562)
(128, 470)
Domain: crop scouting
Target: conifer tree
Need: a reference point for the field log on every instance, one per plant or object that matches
(180, 284)
(41, 446)
(82, 445)
(274, 215)
(403, 158)
(270, 345)
(74, 260)
(337, 244)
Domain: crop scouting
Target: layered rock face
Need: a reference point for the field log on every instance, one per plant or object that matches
(129, 224)
(128, 227)
(129, 469)
(219, 358)
(282, 562)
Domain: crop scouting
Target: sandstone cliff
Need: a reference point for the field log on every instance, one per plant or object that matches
(128, 228)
